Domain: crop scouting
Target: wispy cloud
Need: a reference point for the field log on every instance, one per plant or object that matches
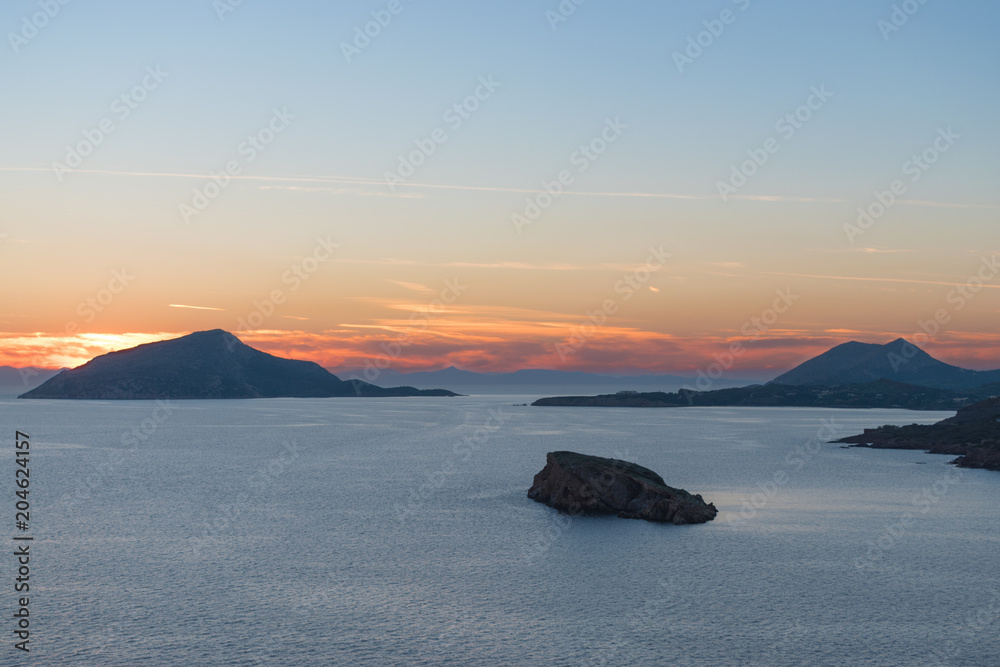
(864, 251)
(786, 198)
(366, 181)
(178, 305)
(522, 265)
(938, 204)
(726, 265)
(354, 192)
(357, 181)
(503, 265)
(413, 287)
(873, 280)
(167, 174)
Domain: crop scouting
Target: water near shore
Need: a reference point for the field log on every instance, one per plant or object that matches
(397, 531)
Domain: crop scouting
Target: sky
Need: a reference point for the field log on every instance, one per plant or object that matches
(613, 187)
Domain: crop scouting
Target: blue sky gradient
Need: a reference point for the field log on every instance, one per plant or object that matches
(892, 94)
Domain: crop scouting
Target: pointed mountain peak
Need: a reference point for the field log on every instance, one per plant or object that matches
(900, 361)
(211, 335)
(852, 346)
(908, 350)
(204, 364)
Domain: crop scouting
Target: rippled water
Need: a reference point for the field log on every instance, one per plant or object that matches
(384, 532)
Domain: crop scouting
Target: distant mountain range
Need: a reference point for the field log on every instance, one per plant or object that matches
(852, 375)
(878, 394)
(900, 360)
(215, 364)
(206, 364)
(532, 381)
(14, 381)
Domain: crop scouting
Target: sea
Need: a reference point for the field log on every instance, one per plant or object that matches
(398, 532)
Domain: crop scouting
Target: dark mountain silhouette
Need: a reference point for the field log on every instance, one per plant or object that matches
(14, 381)
(900, 361)
(206, 364)
(878, 394)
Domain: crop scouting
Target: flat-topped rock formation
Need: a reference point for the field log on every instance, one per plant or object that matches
(581, 484)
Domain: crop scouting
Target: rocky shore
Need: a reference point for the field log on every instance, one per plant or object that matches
(973, 435)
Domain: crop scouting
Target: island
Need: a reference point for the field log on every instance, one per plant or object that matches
(878, 394)
(897, 375)
(581, 484)
(205, 365)
(973, 435)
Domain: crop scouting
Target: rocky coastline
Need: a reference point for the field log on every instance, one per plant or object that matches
(973, 435)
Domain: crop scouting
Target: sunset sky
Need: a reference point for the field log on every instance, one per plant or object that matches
(116, 116)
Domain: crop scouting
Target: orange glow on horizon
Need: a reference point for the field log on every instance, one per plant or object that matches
(54, 351)
(479, 346)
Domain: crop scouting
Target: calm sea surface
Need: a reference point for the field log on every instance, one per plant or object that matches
(398, 532)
